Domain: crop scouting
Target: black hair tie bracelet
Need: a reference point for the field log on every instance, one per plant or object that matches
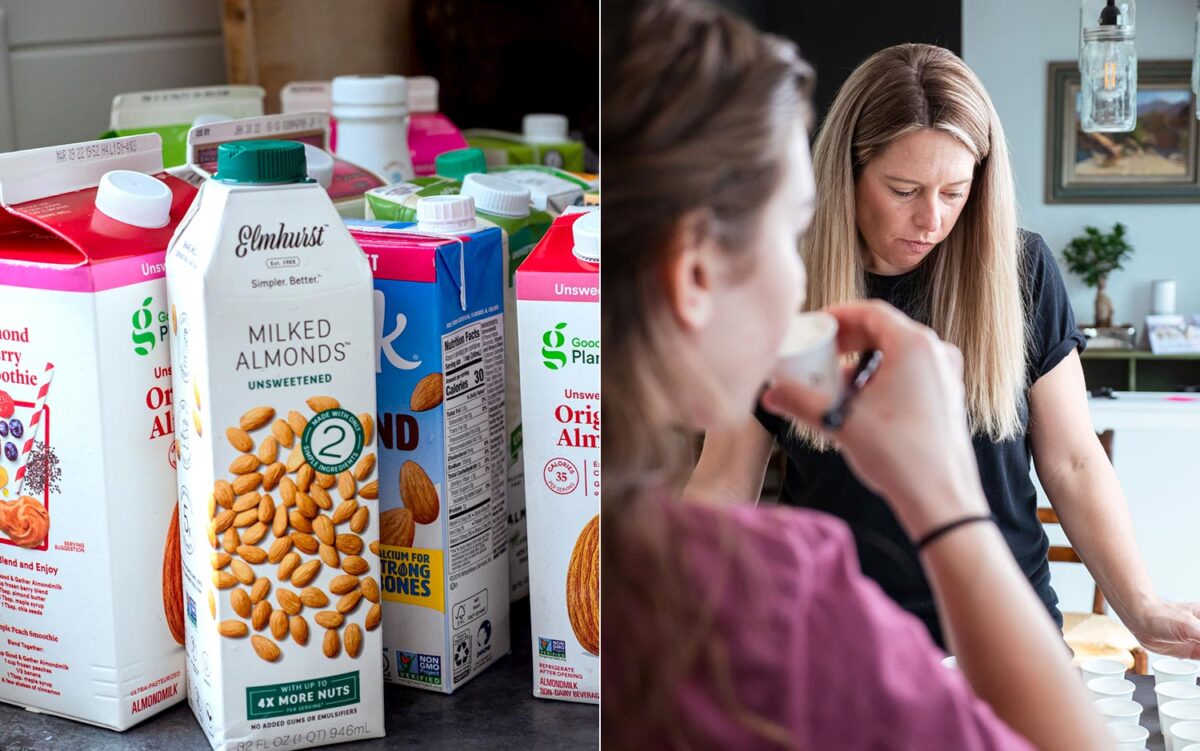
(930, 537)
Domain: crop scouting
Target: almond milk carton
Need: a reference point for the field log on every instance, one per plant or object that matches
(91, 608)
(558, 318)
(442, 459)
(273, 361)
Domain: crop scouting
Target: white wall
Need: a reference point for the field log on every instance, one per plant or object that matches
(1008, 44)
(62, 61)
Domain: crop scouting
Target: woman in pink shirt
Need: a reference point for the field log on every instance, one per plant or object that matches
(728, 626)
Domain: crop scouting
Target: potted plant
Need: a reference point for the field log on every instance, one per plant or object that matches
(1093, 256)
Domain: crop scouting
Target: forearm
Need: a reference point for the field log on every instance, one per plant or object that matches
(1095, 517)
(721, 485)
(1006, 645)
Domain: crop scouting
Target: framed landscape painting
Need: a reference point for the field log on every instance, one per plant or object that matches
(1155, 163)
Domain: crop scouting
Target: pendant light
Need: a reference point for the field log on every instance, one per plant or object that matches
(1107, 66)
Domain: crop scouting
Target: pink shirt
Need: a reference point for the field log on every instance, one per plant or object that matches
(832, 659)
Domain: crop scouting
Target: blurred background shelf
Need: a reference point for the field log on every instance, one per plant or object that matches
(1139, 370)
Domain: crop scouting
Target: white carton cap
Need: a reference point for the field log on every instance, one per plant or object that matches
(319, 164)
(544, 128)
(377, 91)
(134, 198)
(423, 94)
(586, 233)
(445, 214)
(495, 195)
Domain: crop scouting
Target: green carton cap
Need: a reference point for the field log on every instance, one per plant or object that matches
(459, 163)
(261, 162)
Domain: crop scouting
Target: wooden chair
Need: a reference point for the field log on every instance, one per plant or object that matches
(1096, 634)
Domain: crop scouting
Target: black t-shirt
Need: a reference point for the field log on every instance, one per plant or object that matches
(821, 480)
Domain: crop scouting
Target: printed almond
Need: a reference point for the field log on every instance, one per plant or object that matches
(326, 481)
(255, 533)
(321, 497)
(306, 505)
(427, 394)
(288, 566)
(344, 511)
(304, 575)
(212, 505)
(312, 597)
(583, 587)
(266, 510)
(282, 433)
(197, 424)
(329, 556)
(374, 547)
(279, 549)
(172, 579)
(232, 629)
(224, 580)
(240, 439)
(195, 384)
(246, 518)
(295, 459)
(279, 624)
(322, 403)
(252, 554)
(265, 648)
(224, 520)
(360, 520)
(260, 590)
(280, 525)
(331, 645)
(231, 541)
(246, 483)
(272, 475)
(212, 537)
(343, 583)
(418, 493)
(305, 542)
(212, 604)
(299, 521)
(220, 559)
(370, 490)
(370, 589)
(241, 602)
(346, 485)
(354, 565)
(224, 493)
(287, 491)
(352, 638)
(299, 629)
(288, 601)
(368, 425)
(304, 477)
(245, 502)
(261, 615)
(243, 464)
(242, 572)
(396, 528)
(329, 619)
(256, 418)
(323, 529)
(297, 422)
(349, 544)
(349, 602)
(371, 622)
(268, 450)
(365, 467)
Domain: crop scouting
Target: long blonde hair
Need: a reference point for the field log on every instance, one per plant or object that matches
(973, 278)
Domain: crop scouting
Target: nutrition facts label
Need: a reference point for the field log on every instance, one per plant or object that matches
(473, 364)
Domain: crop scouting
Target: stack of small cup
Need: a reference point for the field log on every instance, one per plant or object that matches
(1178, 703)
(1113, 695)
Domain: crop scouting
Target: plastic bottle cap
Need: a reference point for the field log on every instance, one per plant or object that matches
(261, 162)
(423, 94)
(134, 198)
(319, 164)
(586, 233)
(210, 118)
(543, 128)
(495, 195)
(446, 214)
(459, 163)
(370, 91)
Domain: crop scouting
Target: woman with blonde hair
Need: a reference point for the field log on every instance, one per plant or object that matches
(917, 209)
(733, 627)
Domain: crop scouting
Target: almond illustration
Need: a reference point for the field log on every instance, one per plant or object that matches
(373, 616)
(369, 490)
(172, 579)
(418, 493)
(331, 646)
(583, 587)
(265, 648)
(299, 629)
(358, 522)
(322, 403)
(352, 639)
(297, 422)
(349, 544)
(256, 418)
(239, 439)
(232, 629)
(427, 394)
(283, 433)
(241, 603)
(368, 425)
(268, 450)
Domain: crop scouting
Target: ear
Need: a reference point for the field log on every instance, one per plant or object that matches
(693, 271)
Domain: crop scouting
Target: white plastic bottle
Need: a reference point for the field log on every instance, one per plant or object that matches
(372, 124)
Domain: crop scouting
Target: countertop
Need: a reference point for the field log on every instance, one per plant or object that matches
(495, 710)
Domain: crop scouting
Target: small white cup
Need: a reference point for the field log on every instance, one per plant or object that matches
(1174, 691)
(1100, 667)
(1173, 670)
(808, 354)
(1125, 711)
(951, 662)
(1128, 737)
(1183, 735)
(1174, 712)
(1110, 688)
